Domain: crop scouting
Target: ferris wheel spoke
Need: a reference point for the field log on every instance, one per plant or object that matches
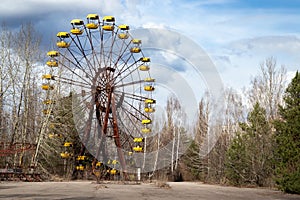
(88, 125)
(105, 48)
(124, 127)
(73, 70)
(129, 96)
(130, 83)
(77, 75)
(132, 96)
(127, 139)
(122, 52)
(112, 45)
(121, 73)
(73, 82)
(94, 42)
(136, 110)
(78, 64)
(132, 124)
(120, 106)
(82, 51)
(90, 36)
(125, 62)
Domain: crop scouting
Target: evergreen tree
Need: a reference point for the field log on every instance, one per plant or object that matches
(236, 164)
(288, 139)
(61, 130)
(249, 157)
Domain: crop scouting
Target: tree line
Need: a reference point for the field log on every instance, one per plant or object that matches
(258, 143)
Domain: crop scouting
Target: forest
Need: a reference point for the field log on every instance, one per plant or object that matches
(258, 131)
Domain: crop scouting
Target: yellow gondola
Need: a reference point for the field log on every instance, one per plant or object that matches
(148, 88)
(149, 110)
(53, 53)
(138, 140)
(146, 130)
(62, 44)
(146, 121)
(113, 171)
(65, 155)
(47, 112)
(114, 162)
(68, 144)
(47, 87)
(80, 167)
(92, 21)
(136, 41)
(98, 164)
(108, 27)
(52, 63)
(123, 27)
(123, 36)
(52, 135)
(77, 22)
(92, 26)
(137, 149)
(63, 35)
(109, 19)
(76, 31)
(149, 80)
(144, 68)
(48, 77)
(150, 101)
(81, 158)
(92, 16)
(135, 50)
(77, 26)
(48, 101)
(145, 59)
(108, 23)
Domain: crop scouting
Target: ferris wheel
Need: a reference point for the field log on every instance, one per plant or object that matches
(107, 73)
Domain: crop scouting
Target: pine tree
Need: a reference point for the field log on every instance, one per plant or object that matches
(249, 158)
(288, 139)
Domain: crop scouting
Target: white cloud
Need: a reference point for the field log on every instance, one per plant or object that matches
(238, 61)
(237, 39)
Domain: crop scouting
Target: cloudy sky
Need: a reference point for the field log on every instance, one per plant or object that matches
(236, 34)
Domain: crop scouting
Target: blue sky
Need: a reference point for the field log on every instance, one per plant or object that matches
(268, 4)
(250, 4)
(237, 34)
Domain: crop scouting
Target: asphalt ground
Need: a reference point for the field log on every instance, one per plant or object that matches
(131, 191)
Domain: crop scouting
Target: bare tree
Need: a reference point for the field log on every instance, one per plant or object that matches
(20, 52)
(5, 51)
(267, 87)
(227, 126)
(207, 155)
